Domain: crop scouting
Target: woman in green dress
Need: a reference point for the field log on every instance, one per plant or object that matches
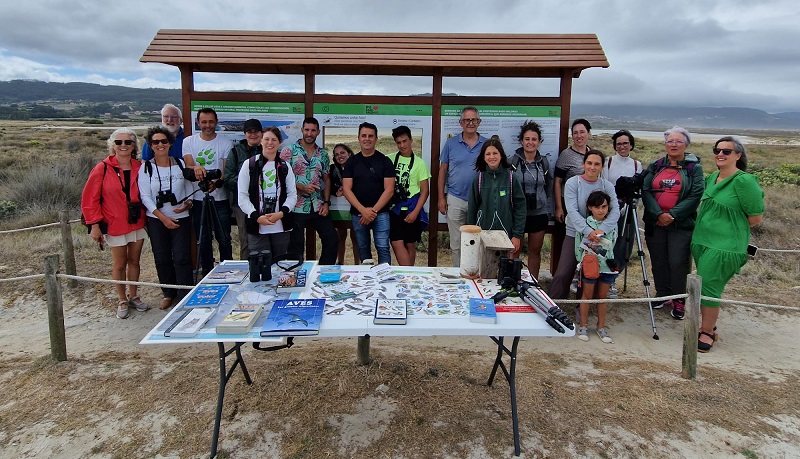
(731, 204)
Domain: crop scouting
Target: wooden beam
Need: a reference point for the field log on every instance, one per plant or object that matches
(436, 141)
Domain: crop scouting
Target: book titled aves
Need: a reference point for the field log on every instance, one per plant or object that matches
(294, 317)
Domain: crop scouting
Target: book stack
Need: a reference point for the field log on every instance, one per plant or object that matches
(482, 310)
(297, 317)
(240, 319)
(390, 311)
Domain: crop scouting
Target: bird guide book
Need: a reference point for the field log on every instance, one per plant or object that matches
(189, 322)
(390, 311)
(240, 319)
(294, 317)
(292, 281)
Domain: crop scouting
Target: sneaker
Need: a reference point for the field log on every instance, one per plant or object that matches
(677, 309)
(661, 304)
(604, 337)
(137, 303)
(583, 334)
(613, 292)
(122, 309)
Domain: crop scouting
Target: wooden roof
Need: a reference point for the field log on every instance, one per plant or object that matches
(345, 53)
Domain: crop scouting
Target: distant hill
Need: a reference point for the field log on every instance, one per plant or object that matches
(23, 99)
(649, 117)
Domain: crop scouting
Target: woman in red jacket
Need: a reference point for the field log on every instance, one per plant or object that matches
(111, 206)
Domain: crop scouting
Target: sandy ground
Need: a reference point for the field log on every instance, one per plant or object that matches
(760, 344)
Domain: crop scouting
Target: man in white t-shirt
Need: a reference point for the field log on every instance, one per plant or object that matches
(203, 152)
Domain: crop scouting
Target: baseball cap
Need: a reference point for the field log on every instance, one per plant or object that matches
(252, 123)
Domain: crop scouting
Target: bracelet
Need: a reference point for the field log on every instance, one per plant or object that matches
(326, 202)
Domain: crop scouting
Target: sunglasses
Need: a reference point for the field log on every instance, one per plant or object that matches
(126, 142)
(724, 151)
(159, 141)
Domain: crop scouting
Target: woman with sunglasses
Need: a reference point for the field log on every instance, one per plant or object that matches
(671, 192)
(111, 207)
(732, 203)
(164, 193)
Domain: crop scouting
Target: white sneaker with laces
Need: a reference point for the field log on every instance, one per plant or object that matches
(583, 334)
(604, 337)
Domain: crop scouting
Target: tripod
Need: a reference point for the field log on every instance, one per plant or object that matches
(208, 216)
(630, 227)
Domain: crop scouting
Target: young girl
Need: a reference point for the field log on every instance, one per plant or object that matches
(598, 205)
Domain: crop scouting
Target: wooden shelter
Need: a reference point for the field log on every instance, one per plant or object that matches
(348, 53)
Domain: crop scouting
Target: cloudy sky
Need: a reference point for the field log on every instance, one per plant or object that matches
(697, 53)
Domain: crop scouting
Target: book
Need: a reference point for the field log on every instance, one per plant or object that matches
(292, 281)
(240, 319)
(206, 295)
(481, 310)
(297, 317)
(330, 274)
(226, 276)
(384, 272)
(447, 278)
(189, 323)
(390, 311)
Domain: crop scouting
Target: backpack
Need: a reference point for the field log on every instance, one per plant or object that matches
(148, 167)
(255, 165)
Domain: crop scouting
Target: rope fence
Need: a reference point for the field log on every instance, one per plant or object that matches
(46, 225)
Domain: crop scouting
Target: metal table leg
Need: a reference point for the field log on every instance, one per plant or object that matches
(225, 375)
(510, 374)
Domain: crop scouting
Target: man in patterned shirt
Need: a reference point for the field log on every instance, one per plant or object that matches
(311, 165)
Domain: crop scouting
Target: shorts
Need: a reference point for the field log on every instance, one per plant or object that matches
(606, 278)
(125, 239)
(536, 223)
(399, 230)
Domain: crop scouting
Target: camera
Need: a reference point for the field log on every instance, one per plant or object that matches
(628, 188)
(165, 197)
(134, 212)
(268, 205)
(509, 272)
(400, 194)
(211, 175)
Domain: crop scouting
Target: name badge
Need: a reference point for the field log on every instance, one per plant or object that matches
(502, 193)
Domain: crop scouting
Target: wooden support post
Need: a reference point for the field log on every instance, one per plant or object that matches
(55, 309)
(69, 249)
(691, 327)
(362, 352)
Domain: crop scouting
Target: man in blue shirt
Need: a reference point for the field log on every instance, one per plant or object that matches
(456, 172)
(171, 119)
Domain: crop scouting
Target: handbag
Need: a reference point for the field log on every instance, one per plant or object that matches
(590, 266)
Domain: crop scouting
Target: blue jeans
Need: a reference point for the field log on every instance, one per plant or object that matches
(380, 232)
(221, 230)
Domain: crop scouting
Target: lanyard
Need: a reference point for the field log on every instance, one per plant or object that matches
(126, 190)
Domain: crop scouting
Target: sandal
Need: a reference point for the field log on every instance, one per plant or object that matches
(705, 347)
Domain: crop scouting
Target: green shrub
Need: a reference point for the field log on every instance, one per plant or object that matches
(93, 122)
(7, 209)
(34, 143)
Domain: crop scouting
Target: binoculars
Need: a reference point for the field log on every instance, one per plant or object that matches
(260, 266)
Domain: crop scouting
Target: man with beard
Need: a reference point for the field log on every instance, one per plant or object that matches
(311, 165)
(171, 119)
(207, 151)
(241, 152)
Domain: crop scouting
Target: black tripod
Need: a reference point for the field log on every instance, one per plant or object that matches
(208, 216)
(630, 227)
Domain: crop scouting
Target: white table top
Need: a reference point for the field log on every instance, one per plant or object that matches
(530, 324)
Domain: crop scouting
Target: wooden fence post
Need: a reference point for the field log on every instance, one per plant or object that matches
(55, 309)
(69, 249)
(691, 327)
(362, 351)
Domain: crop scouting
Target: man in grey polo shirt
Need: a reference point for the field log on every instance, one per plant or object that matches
(456, 171)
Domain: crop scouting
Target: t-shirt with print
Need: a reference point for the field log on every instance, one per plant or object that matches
(308, 170)
(210, 154)
(667, 188)
(268, 197)
(409, 179)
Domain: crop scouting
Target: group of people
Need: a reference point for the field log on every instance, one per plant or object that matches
(274, 194)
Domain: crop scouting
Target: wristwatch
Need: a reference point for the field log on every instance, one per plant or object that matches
(326, 202)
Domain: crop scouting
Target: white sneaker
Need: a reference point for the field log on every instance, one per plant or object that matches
(122, 309)
(583, 334)
(613, 292)
(604, 337)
